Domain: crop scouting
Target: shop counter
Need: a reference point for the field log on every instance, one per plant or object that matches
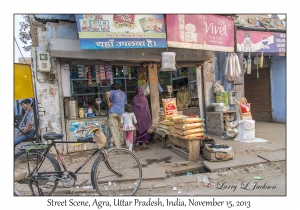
(73, 125)
(193, 146)
(215, 122)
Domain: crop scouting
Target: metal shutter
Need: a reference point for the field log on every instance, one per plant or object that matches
(258, 93)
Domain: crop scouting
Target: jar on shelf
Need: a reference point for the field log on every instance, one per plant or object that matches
(90, 111)
(81, 113)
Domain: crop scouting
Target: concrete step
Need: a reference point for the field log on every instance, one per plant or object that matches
(239, 161)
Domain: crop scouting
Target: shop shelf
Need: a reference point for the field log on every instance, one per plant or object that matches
(87, 87)
(192, 81)
(180, 77)
(131, 78)
(86, 94)
(82, 79)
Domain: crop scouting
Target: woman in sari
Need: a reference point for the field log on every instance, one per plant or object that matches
(142, 113)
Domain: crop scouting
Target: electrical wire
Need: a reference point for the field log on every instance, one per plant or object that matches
(20, 50)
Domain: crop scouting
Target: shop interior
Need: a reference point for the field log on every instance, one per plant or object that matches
(88, 82)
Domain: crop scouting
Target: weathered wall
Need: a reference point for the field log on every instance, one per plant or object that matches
(229, 85)
(278, 88)
(209, 79)
(48, 92)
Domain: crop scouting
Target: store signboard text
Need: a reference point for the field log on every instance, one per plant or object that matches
(99, 31)
(208, 32)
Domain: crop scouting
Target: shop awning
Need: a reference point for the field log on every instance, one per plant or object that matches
(69, 49)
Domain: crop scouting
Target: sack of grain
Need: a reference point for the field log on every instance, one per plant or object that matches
(164, 127)
(170, 123)
(163, 122)
(174, 117)
(189, 132)
(193, 136)
(171, 128)
(188, 120)
(188, 126)
(217, 148)
(246, 130)
(217, 156)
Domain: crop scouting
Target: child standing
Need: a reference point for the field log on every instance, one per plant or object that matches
(127, 120)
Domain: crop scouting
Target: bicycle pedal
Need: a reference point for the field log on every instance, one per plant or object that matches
(82, 183)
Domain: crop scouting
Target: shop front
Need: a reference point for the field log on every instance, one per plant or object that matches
(84, 68)
(265, 73)
(201, 32)
(87, 74)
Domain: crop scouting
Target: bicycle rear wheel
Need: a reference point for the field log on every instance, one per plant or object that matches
(125, 182)
(24, 164)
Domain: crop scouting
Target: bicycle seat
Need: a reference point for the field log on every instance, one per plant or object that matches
(85, 139)
(53, 136)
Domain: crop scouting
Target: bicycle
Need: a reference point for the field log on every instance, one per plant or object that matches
(37, 172)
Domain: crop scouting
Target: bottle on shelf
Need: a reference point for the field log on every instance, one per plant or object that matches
(85, 112)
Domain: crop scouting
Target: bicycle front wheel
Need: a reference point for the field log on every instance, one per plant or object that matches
(24, 164)
(117, 174)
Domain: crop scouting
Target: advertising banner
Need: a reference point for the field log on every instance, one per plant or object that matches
(99, 31)
(23, 83)
(206, 32)
(257, 41)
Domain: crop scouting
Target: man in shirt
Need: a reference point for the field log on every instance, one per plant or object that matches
(29, 131)
(183, 96)
(116, 100)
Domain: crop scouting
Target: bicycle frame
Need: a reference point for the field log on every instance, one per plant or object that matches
(61, 159)
(46, 175)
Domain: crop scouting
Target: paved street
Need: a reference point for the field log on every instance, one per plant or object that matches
(164, 169)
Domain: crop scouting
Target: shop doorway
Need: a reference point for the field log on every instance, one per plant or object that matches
(258, 93)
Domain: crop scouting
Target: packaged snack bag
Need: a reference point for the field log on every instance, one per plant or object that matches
(244, 109)
(170, 107)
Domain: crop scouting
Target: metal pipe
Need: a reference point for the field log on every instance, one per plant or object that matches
(61, 106)
(36, 120)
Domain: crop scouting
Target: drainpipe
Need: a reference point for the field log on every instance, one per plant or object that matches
(61, 104)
